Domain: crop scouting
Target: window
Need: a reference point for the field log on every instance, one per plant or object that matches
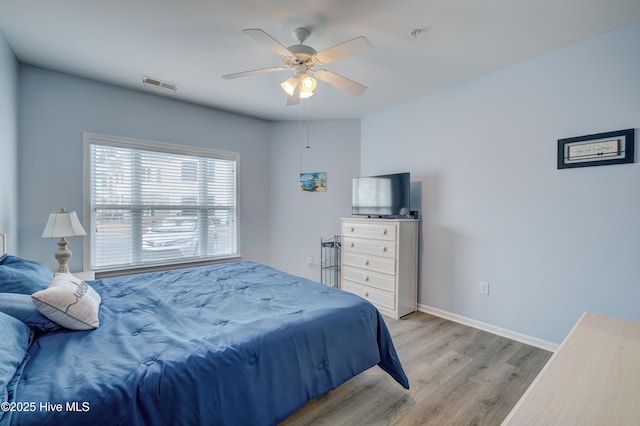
(152, 204)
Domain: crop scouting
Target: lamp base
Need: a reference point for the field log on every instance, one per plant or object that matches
(63, 254)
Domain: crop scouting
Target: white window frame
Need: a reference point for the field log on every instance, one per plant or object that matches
(123, 142)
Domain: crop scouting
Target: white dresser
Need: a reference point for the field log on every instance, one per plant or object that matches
(379, 262)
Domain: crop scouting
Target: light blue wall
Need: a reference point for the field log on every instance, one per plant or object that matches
(551, 243)
(300, 219)
(8, 145)
(56, 108)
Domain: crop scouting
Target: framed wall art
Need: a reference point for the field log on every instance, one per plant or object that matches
(599, 149)
(313, 182)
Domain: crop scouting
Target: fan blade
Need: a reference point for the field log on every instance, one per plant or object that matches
(264, 38)
(341, 82)
(344, 50)
(252, 72)
(295, 98)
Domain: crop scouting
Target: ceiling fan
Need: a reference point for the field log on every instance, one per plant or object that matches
(303, 59)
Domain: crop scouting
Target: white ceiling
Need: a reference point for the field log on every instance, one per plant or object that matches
(194, 42)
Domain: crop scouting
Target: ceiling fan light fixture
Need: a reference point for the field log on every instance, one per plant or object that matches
(289, 86)
(302, 59)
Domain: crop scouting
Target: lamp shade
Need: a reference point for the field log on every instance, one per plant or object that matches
(63, 224)
(307, 83)
(289, 86)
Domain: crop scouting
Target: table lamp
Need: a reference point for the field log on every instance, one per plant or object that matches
(63, 224)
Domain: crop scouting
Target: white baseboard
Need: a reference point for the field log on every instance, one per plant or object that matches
(509, 334)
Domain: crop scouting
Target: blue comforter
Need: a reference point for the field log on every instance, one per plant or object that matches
(234, 344)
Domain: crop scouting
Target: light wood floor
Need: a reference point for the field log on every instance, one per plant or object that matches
(458, 375)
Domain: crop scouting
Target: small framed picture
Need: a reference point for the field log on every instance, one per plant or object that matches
(313, 182)
(597, 150)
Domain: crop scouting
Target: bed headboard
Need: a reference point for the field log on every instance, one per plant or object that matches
(3, 244)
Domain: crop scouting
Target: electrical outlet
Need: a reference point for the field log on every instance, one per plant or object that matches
(309, 261)
(484, 288)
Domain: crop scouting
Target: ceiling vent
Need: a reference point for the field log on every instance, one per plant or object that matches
(159, 85)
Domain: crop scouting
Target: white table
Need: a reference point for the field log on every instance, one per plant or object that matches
(593, 378)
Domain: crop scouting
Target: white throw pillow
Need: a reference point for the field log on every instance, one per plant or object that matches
(70, 302)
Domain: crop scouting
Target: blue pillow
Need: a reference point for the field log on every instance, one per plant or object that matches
(21, 307)
(14, 344)
(23, 276)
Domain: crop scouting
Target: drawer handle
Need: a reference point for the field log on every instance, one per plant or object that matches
(384, 232)
(366, 278)
(352, 245)
(383, 248)
(365, 293)
(353, 229)
(366, 262)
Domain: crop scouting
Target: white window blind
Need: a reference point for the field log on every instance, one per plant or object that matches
(153, 204)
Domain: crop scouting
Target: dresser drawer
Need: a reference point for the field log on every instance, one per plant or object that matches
(364, 246)
(379, 231)
(368, 278)
(379, 298)
(373, 263)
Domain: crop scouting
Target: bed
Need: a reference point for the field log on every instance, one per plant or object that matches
(236, 343)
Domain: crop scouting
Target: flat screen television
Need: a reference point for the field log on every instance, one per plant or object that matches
(383, 196)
